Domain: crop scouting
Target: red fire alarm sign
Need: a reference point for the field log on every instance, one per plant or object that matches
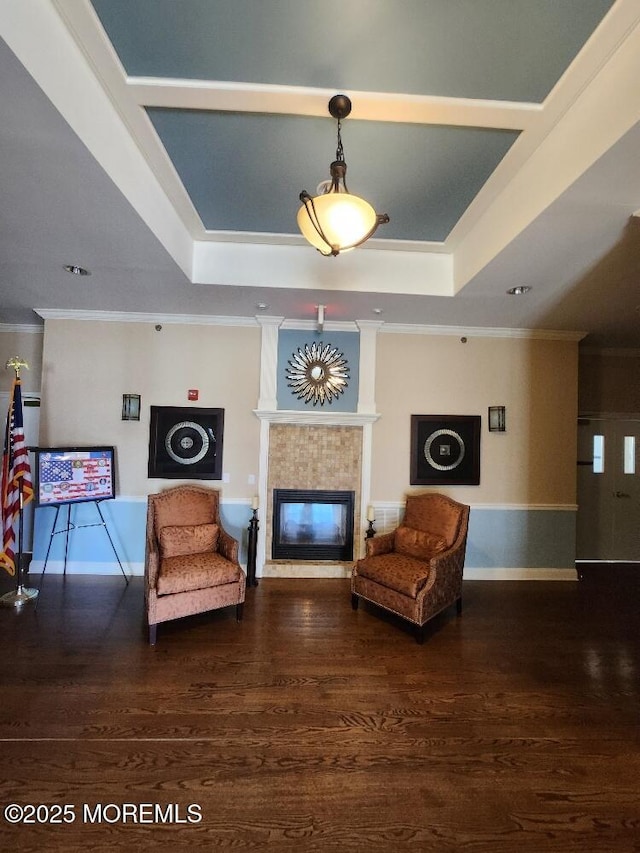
(193, 393)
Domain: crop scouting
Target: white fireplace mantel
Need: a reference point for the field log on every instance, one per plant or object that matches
(315, 418)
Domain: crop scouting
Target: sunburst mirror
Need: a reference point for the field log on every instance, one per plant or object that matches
(317, 373)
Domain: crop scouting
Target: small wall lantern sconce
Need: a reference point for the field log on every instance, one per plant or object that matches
(497, 419)
(131, 407)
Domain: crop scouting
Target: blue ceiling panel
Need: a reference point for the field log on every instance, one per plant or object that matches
(497, 49)
(244, 172)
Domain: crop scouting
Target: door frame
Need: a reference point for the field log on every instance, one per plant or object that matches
(611, 417)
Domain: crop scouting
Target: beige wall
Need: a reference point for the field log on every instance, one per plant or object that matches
(89, 365)
(534, 462)
(27, 344)
(609, 382)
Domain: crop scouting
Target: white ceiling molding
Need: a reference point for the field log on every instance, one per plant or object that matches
(591, 122)
(22, 328)
(481, 332)
(294, 100)
(133, 317)
(272, 239)
(554, 215)
(492, 221)
(380, 271)
(35, 32)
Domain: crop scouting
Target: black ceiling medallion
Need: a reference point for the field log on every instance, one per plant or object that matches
(317, 373)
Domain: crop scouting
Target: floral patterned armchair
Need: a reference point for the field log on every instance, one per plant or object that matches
(191, 562)
(416, 570)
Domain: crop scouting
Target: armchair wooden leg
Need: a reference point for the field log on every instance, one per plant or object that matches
(355, 600)
(239, 611)
(153, 633)
(459, 606)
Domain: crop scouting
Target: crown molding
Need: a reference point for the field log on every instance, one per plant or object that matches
(23, 328)
(304, 325)
(481, 332)
(133, 317)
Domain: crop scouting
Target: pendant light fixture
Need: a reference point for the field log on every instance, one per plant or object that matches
(335, 220)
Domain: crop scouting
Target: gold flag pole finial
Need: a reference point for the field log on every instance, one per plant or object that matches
(15, 363)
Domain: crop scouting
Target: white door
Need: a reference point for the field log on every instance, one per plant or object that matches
(608, 489)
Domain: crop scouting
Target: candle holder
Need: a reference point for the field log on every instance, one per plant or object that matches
(252, 548)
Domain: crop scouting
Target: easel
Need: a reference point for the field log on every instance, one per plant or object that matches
(69, 527)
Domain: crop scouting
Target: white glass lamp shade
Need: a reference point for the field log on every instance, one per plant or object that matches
(345, 220)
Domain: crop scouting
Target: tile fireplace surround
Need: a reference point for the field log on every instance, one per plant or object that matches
(312, 457)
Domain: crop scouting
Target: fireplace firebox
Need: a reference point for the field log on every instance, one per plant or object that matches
(312, 525)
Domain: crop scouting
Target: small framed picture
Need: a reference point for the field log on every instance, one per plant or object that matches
(445, 450)
(186, 442)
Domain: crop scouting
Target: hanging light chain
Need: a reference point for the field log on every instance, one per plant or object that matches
(339, 167)
(339, 149)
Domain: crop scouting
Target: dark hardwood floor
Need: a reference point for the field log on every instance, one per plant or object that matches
(310, 727)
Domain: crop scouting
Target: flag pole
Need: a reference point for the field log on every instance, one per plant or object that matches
(22, 594)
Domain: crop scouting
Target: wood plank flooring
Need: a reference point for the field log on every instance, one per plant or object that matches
(310, 727)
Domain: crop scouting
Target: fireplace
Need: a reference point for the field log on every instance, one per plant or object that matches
(312, 525)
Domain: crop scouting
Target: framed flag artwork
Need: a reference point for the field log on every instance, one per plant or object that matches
(445, 450)
(186, 442)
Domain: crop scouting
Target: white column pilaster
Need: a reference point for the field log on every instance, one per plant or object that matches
(367, 376)
(269, 362)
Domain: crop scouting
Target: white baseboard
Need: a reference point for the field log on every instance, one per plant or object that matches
(520, 574)
(302, 570)
(306, 570)
(56, 567)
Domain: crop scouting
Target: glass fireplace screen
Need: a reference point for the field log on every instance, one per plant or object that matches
(312, 525)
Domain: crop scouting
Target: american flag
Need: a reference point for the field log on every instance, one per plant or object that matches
(16, 476)
(56, 471)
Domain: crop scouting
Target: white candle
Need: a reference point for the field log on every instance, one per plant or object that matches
(371, 513)
(255, 503)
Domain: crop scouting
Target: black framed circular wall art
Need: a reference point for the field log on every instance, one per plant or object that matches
(445, 450)
(186, 442)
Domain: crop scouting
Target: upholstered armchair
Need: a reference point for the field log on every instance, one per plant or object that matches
(416, 570)
(191, 562)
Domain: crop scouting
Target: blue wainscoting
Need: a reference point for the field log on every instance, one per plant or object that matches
(519, 542)
(511, 542)
(89, 549)
(520, 539)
